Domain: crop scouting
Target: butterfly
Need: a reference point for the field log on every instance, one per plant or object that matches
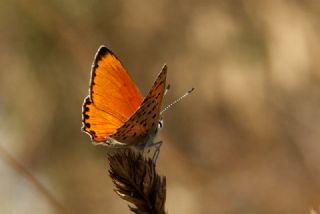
(115, 113)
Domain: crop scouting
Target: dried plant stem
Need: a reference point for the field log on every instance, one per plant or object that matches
(24, 172)
(137, 182)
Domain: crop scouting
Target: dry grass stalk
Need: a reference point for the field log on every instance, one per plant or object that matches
(137, 182)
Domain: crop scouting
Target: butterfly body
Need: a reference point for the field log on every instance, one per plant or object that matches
(115, 113)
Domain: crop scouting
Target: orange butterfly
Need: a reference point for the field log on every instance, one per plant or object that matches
(115, 113)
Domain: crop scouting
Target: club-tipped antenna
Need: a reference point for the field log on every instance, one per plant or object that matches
(177, 100)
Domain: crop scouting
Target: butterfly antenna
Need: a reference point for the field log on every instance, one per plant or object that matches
(177, 100)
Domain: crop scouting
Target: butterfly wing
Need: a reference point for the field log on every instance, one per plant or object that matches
(158, 88)
(142, 126)
(113, 97)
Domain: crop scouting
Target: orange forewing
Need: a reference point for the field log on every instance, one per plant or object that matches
(113, 97)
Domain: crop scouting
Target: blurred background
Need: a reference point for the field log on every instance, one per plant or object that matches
(246, 141)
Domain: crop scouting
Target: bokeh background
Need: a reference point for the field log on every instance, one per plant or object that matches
(246, 141)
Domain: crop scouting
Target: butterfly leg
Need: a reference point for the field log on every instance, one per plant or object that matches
(156, 153)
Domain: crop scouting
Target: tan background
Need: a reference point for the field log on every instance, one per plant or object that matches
(247, 140)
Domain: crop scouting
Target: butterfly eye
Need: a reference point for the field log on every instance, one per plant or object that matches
(160, 124)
